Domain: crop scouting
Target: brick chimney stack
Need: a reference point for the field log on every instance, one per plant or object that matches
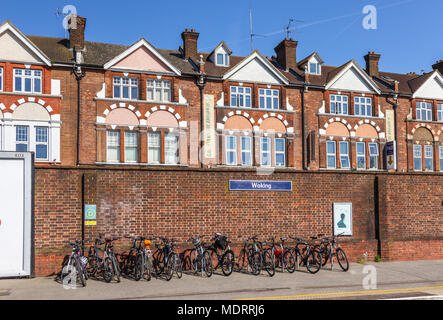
(438, 66)
(77, 33)
(190, 43)
(372, 60)
(287, 54)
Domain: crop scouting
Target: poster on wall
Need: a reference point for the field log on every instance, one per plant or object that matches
(342, 219)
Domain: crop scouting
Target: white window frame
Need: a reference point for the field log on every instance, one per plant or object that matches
(317, 68)
(109, 133)
(161, 86)
(429, 155)
(426, 107)
(42, 143)
(167, 152)
(416, 149)
(373, 155)
(331, 154)
(266, 94)
(280, 152)
(440, 148)
(334, 101)
(440, 112)
(363, 104)
(32, 76)
(231, 150)
(157, 147)
(225, 58)
(268, 152)
(239, 95)
(359, 156)
(130, 85)
(131, 146)
(344, 155)
(246, 150)
(22, 142)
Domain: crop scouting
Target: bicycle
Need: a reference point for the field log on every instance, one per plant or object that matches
(109, 249)
(221, 254)
(131, 263)
(266, 260)
(329, 247)
(308, 256)
(248, 258)
(75, 267)
(166, 261)
(99, 264)
(200, 258)
(283, 257)
(147, 259)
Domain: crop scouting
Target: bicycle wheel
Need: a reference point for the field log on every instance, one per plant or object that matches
(241, 262)
(268, 263)
(138, 268)
(214, 259)
(289, 261)
(195, 261)
(255, 262)
(169, 269)
(325, 251)
(208, 263)
(342, 259)
(108, 271)
(178, 266)
(313, 261)
(116, 268)
(228, 259)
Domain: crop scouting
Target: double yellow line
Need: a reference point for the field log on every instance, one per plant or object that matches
(348, 293)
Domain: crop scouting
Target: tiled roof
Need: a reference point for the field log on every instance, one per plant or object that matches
(97, 54)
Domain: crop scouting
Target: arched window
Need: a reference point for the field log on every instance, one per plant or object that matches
(337, 147)
(32, 130)
(163, 138)
(367, 148)
(273, 147)
(423, 150)
(122, 138)
(238, 142)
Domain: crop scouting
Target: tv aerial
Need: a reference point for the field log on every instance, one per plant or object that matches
(288, 28)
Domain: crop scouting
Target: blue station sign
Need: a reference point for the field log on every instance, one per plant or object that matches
(260, 185)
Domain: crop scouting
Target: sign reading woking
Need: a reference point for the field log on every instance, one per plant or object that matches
(260, 185)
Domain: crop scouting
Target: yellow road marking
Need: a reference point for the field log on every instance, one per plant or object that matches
(345, 293)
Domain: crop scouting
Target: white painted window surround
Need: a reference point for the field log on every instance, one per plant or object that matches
(9, 133)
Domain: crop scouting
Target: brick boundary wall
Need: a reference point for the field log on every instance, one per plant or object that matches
(181, 203)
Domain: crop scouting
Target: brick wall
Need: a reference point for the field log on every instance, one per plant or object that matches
(181, 203)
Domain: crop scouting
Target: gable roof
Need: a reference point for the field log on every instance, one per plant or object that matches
(339, 72)
(305, 60)
(419, 83)
(221, 44)
(141, 43)
(256, 55)
(8, 26)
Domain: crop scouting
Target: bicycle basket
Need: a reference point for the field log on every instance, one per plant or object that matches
(221, 242)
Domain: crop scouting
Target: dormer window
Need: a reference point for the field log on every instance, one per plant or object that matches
(314, 68)
(222, 59)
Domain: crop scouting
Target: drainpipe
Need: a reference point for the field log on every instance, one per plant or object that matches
(201, 83)
(303, 131)
(79, 75)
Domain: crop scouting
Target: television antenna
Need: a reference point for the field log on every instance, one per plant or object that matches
(288, 28)
(252, 34)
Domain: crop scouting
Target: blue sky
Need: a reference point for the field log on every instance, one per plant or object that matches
(408, 34)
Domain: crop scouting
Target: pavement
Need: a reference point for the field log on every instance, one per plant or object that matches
(409, 280)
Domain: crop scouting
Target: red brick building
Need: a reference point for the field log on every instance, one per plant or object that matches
(140, 111)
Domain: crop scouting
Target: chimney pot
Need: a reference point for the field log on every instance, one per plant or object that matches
(190, 43)
(287, 54)
(77, 33)
(372, 59)
(438, 66)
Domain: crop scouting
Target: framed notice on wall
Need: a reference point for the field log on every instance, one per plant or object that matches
(342, 219)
